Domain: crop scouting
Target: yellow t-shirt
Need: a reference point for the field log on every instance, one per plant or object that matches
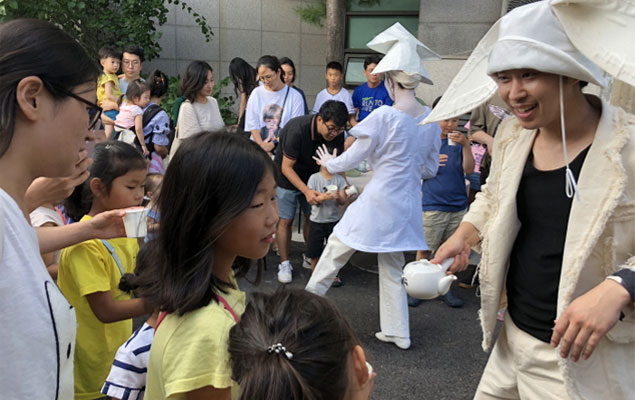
(86, 268)
(190, 351)
(101, 87)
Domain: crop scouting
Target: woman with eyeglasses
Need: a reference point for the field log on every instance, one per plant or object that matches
(272, 91)
(47, 117)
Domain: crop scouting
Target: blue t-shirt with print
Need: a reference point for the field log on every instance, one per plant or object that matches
(446, 191)
(367, 99)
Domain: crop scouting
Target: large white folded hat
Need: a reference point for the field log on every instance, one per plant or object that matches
(403, 52)
(574, 38)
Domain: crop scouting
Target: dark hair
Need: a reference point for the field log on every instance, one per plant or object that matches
(335, 65)
(194, 78)
(130, 282)
(289, 62)
(243, 75)
(334, 110)
(30, 47)
(136, 88)
(158, 83)
(111, 160)
(108, 51)
(436, 101)
(211, 180)
(372, 59)
(136, 50)
(272, 63)
(311, 328)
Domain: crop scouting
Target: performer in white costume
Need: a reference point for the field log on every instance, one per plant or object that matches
(555, 221)
(386, 219)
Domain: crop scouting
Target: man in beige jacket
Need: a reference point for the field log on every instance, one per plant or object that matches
(563, 265)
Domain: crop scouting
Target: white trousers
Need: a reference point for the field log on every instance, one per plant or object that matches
(393, 304)
(521, 367)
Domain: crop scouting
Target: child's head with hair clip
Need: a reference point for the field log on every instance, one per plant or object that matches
(296, 345)
(116, 180)
(158, 83)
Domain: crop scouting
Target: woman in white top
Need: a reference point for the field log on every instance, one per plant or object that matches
(272, 91)
(199, 112)
(47, 115)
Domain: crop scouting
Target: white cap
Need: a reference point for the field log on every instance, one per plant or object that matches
(403, 52)
(575, 38)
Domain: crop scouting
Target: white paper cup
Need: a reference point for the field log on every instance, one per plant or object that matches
(332, 189)
(351, 190)
(136, 222)
(451, 142)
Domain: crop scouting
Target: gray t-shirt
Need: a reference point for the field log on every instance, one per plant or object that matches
(329, 210)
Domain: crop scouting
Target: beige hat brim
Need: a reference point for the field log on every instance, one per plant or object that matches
(603, 31)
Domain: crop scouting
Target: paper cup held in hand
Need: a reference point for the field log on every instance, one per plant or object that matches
(136, 222)
(451, 142)
(332, 189)
(351, 190)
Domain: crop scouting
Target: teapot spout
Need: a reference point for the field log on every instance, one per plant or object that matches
(445, 283)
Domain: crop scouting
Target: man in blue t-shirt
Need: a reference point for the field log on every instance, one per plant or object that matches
(371, 94)
(444, 197)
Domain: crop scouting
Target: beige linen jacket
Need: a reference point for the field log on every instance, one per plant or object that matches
(600, 240)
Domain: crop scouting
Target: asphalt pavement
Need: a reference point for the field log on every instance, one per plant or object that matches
(445, 360)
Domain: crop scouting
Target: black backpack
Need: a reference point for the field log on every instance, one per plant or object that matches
(150, 113)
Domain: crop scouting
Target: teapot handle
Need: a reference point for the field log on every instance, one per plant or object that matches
(446, 263)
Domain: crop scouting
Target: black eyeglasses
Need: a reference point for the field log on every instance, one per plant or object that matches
(94, 112)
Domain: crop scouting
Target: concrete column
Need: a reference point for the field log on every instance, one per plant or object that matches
(335, 30)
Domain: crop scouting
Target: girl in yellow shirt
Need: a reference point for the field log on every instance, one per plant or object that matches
(218, 209)
(89, 272)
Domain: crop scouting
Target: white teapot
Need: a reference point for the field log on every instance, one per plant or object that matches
(424, 280)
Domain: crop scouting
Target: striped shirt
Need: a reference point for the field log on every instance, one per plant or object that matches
(127, 377)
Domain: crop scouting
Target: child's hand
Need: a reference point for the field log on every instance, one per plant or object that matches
(326, 196)
(443, 159)
(458, 137)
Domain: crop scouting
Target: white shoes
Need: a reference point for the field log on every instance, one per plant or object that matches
(284, 272)
(306, 262)
(402, 343)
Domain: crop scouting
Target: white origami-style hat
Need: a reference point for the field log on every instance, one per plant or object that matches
(403, 52)
(574, 38)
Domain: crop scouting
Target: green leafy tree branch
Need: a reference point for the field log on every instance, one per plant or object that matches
(97, 23)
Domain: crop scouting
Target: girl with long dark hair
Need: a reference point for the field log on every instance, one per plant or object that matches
(218, 209)
(245, 80)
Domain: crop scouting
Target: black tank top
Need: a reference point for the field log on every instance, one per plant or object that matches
(536, 258)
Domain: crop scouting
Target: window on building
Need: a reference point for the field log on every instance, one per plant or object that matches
(364, 21)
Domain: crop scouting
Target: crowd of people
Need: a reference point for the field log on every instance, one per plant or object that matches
(553, 220)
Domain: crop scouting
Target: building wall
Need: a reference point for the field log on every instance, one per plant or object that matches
(252, 28)
(247, 29)
(452, 28)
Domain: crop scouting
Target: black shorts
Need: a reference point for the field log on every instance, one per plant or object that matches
(319, 232)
